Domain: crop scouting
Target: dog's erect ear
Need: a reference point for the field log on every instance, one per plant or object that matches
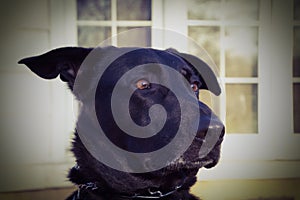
(62, 61)
(205, 72)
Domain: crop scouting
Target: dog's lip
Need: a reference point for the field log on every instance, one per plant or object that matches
(185, 164)
(198, 164)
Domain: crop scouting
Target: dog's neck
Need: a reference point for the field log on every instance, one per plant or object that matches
(99, 191)
(92, 186)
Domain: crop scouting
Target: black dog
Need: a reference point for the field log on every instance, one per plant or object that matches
(96, 180)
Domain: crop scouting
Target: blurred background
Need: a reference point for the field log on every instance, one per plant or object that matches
(255, 45)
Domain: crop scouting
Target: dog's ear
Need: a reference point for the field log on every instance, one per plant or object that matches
(206, 74)
(62, 61)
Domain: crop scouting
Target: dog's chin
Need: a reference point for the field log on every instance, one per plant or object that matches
(179, 172)
(187, 166)
(191, 160)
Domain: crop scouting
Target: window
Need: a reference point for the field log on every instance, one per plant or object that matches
(99, 20)
(296, 67)
(220, 26)
(250, 42)
(213, 25)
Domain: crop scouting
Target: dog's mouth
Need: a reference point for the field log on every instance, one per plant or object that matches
(181, 164)
(180, 172)
(193, 158)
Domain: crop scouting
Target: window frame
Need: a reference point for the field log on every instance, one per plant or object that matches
(275, 146)
(223, 24)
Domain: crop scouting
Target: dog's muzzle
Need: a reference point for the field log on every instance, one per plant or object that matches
(205, 148)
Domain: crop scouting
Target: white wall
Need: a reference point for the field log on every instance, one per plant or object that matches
(36, 115)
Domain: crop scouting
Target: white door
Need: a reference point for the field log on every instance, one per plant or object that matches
(252, 45)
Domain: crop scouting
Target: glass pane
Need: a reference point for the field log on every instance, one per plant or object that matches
(241, 10)
(241, 50)
(209, 38)
(297, 9)
(134, 10)
(241, 108)
(90, 36)
(137, 36)
(204, 9)
(296, 108)
(296, 57)
(93, 9)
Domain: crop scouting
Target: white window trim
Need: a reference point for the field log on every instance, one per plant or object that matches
(53, 171)
(63, 32)
(275, 146)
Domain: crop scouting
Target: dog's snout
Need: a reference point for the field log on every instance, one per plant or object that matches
(209, 122)
(211, 131)
(216, 125)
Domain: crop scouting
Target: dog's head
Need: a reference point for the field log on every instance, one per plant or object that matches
(146, 93)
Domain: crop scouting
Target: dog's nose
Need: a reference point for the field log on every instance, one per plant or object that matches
(209, 122)
(210, 134)
(216, 126)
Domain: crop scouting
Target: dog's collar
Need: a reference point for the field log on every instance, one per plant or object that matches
(153, 194)
(95, 187)
(150, 194)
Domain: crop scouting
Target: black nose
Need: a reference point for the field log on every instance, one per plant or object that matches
(211, 131)
(209, 122)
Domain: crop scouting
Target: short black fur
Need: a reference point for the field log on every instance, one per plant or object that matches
(97, 181)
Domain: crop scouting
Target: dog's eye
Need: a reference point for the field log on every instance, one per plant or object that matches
(143, 84)
(194, 87)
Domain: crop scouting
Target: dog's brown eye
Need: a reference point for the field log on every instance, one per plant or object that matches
(194, 87)
(142, 84)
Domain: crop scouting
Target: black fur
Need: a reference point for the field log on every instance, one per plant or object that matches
(108, 183)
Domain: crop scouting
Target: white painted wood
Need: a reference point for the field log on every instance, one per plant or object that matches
(296, 80)
(274, 139)
(25, 121)
(38, 113)
(241, 80)
(286, 142)
(256, 169)
(157, 34)
(63, 33)
(264, 71)
(114, 30)
(26, 125)
(116, 23)
(175, 19)
(220, 23)
(34, 176)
